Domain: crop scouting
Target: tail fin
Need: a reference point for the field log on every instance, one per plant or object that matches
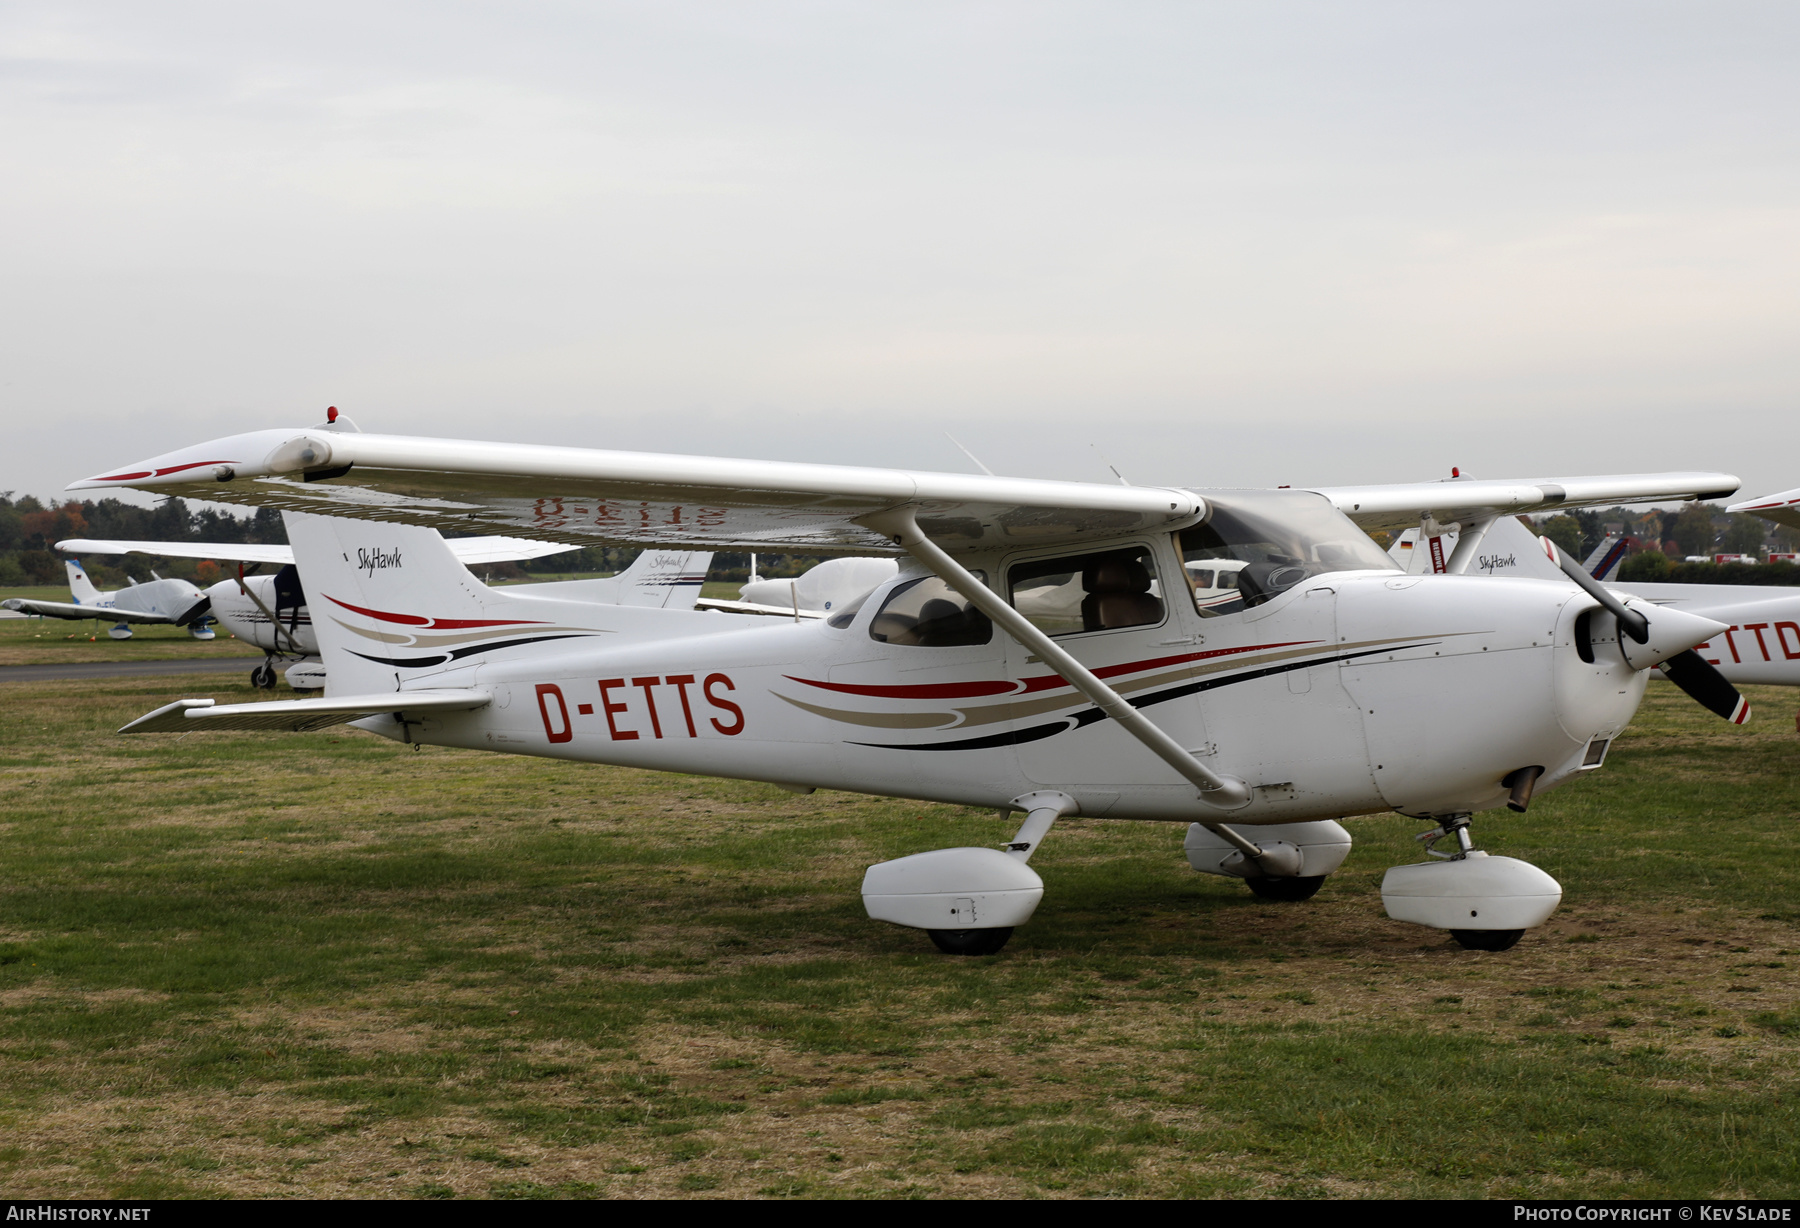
(656, 579)
(1422, 556)
(376, 592)
(80, 587)
(664, 579)
(1603, 563)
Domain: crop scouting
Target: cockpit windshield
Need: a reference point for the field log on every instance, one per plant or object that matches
(1255, 544)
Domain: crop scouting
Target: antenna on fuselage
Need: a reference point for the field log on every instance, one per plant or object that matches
(1109, 464)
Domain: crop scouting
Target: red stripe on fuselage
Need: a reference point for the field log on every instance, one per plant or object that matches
(1042, 682)
(413, 620)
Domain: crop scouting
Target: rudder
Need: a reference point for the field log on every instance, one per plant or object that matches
(80, 587)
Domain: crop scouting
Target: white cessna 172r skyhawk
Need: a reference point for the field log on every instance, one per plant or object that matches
(1330, 685)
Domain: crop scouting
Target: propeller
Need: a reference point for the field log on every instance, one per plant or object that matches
(1666, 642)
(1691, 672)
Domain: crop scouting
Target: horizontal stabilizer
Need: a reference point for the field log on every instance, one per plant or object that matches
(300, 715)
(466, 549)
(68, 609)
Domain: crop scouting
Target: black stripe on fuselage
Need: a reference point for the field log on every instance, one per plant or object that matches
(1089, 716)
(426, 662)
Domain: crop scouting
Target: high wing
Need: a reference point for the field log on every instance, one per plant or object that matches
(1465, 499)
(299, 715)
(581, 496)
(467, 549)
(68, 609)
(1783, 508)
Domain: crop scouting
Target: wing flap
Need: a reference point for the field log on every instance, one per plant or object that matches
(301, 715)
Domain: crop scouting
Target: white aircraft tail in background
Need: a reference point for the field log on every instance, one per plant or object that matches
(1419, 555)
(1604, 563)
(80, 587)
(657, 579)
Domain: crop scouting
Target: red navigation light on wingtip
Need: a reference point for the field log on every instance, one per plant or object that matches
(1456, 471)
(331, 413)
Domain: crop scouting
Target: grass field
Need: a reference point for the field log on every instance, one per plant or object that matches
(266, 965)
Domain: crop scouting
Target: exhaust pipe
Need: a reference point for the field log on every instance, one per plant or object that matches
(1521, 781)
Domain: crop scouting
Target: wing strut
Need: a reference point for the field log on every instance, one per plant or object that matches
(1221, 792)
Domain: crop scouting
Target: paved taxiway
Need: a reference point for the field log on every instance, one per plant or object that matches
(124, 669)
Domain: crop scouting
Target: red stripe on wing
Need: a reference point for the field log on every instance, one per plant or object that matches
(190, 465)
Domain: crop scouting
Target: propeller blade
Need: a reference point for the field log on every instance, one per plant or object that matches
(1690, 671)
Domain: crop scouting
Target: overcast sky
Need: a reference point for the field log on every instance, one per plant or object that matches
(1223, 243)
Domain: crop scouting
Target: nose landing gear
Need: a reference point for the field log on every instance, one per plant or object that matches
(1487, 903)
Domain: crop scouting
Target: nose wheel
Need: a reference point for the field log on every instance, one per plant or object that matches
(970, 942)
(1487, 940)
(263, 677)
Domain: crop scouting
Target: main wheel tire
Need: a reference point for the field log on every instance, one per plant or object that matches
(263, 678)
(1290, 889)
(1487, 940)
(970, 942)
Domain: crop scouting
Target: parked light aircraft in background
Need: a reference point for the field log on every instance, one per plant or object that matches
(270, 612)
(170, 603)
(1330, 684)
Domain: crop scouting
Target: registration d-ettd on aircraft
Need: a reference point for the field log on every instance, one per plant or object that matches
(1327, 684)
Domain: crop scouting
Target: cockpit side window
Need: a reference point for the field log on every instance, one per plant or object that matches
(928, 613)
(1103, 591)
(1256, 544)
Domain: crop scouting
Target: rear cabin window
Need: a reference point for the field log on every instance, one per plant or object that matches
(1088, 592)
(928, 613)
